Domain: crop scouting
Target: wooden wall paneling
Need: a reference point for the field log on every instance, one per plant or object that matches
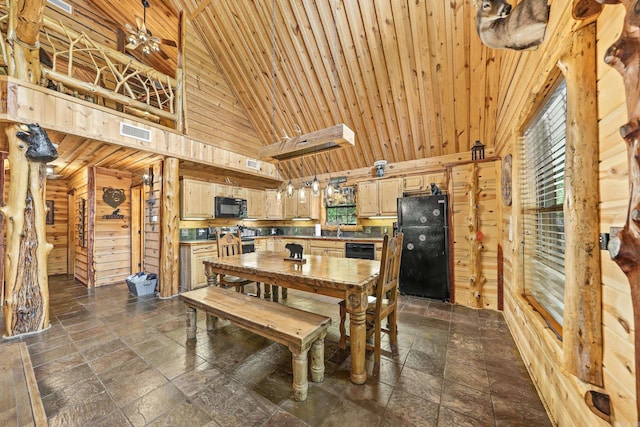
(443, 44)
(57, 233)
(460, 54)
(459, 201)
(78, 184)
(151, 222)
(91, 226)
(401, 71)
(420, 38)
(112, 247)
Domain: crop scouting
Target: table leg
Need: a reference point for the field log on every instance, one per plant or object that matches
(285, 293)
(357, 308)
(191, 322)
(211, 322)
(275, 293)
(267, 291)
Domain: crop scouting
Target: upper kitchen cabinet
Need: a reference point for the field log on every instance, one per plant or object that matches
(422, 183)
(197, 199)
(294, 208)
(255, 204)
(379, 197)
(234, 192)
(272, 207)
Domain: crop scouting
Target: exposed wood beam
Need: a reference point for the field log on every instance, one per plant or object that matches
(199, 9)
(321, 140)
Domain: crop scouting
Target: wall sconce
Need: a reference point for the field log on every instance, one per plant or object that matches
(147, 178)
(477, 151)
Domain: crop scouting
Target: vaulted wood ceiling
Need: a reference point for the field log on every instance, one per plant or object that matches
(410, 77)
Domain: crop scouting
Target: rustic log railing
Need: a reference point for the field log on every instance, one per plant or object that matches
(82, 67)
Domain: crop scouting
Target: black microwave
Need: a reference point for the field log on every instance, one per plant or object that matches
(228, 207)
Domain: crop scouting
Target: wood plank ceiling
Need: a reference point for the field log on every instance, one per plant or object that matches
(410, 77)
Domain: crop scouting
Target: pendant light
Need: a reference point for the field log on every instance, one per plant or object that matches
(302, 192)
(290, 188)
(315, 187)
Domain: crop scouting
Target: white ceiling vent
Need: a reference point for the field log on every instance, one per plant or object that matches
(135, 132)
(253, 164)
(62, 5)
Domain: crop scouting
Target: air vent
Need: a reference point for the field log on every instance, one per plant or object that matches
(253, 164)
(135, 132)
(62, 5)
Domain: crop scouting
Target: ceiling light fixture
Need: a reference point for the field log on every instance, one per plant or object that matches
(142, 37)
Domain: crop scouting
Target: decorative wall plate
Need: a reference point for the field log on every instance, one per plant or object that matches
(506, 180)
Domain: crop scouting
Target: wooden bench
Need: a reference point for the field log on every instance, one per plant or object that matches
(20, 402)
(299, 330)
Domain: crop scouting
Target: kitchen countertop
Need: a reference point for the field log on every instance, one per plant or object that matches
(327, 238)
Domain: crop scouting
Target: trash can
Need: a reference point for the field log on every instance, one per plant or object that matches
(141, 284)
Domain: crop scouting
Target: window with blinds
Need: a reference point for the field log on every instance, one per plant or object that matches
(542, 196)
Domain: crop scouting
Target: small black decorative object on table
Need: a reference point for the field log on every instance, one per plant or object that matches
(295, 252)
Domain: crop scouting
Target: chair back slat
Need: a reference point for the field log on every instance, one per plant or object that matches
(388, 279)
(229, 244)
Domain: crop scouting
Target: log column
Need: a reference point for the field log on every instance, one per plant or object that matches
(170, 224)
(25, 20)
(26, 306)
(582, 328)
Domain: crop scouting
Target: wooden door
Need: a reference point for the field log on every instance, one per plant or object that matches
(137, 245)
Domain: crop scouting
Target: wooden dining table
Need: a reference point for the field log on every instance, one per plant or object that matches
(346, 278)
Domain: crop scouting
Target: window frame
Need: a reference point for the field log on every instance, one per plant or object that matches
(528, 259)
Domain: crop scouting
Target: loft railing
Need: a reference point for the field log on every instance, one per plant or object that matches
(73, 63)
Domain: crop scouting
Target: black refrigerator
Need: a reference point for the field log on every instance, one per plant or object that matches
(424, 269)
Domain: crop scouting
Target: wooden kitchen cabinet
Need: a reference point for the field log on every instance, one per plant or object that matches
(376, 198)
(415, 183)
(196, 199)
(222, 190)
(255, 204)
(293, 208)
(281, 242)
(327, 248)
(192, 257)
(272, 208)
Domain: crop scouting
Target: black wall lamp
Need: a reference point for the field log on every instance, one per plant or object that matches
(477, 151)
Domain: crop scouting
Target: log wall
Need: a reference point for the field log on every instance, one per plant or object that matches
(525, 82)
(79, 188)
(112, 241)
(57, 233)
(460, 188)
(213, 113)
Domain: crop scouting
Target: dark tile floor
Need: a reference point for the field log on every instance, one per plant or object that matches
(110, 359)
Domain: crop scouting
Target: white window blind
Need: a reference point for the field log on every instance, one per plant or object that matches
(542, 196)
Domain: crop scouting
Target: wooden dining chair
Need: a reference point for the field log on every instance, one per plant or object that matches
(384, 303)
(231, 244)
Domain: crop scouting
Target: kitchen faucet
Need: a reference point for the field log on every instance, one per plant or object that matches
(339, 232)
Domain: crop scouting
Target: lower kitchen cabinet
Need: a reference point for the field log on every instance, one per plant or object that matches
(326, 248)
(192, 256)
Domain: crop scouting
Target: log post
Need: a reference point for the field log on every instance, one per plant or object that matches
(582, 328)
(25, 20)
(476, 278)
(26, 306)
(624, 56)
(170, 223)
(3, 156)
